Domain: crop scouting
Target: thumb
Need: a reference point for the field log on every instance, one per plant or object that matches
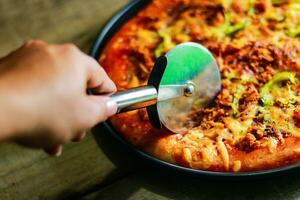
(103, 107)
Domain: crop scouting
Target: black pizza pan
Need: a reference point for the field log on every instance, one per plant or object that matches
(111, 27)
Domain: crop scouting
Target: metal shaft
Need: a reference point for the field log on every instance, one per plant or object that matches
(135, 98)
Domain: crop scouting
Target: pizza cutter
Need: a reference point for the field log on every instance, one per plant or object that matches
(181, 83)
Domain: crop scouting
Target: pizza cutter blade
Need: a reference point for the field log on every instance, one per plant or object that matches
(181, 83)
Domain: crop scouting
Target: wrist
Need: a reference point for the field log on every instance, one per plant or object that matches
(8, 129)
(14, 116)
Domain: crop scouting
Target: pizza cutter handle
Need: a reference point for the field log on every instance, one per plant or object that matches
(135, 98)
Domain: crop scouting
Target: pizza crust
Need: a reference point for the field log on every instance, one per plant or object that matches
(254, 122)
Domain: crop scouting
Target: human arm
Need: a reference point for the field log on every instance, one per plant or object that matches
(43, 99)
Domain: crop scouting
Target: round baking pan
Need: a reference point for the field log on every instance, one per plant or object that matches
(112, 26)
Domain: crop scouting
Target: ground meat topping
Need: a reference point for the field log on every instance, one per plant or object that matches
(256, 46)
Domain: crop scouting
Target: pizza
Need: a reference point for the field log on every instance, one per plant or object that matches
(254, 122)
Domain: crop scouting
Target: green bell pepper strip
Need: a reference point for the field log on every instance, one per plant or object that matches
(265, 90)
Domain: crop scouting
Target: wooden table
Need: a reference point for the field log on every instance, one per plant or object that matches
(99, 167)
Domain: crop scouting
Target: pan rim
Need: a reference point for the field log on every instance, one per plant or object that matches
(106, 32)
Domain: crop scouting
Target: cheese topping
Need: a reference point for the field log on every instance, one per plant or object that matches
(256, 45)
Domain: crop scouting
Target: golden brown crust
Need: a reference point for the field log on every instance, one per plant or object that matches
(254, 121)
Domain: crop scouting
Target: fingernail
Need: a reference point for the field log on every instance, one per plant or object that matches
(111, 108)
(58, 151)
(79, 138)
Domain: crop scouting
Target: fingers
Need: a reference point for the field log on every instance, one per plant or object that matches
(100, 83)
(79, 137)
(86, 111)
(100, 105)
(99, 108)
(98, 80)
(54, 151)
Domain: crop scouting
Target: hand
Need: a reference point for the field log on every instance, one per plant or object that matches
(43, 99)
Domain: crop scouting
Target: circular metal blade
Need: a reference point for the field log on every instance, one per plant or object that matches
(190, 82)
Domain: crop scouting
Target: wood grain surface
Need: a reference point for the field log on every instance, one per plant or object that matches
(30, 174)
(152, 184)
(56, 21)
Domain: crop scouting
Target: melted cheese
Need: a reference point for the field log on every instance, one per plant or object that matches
(209, 153)
(272, 144)
(237, 164)
(281, 119)
(239, 128)
(297, 150)
(207, 146)
(187, 155)
(223, 151)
